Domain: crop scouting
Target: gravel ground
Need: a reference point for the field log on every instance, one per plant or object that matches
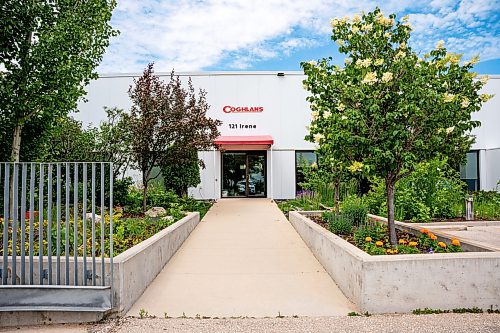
(453, 323)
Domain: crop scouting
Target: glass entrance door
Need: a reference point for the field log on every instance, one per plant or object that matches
(243, 174)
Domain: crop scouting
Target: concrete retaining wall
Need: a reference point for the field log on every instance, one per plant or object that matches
(402, 283)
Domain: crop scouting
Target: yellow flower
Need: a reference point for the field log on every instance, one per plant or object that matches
(317, 137)
(448, 97)
(355, 167)
(484, 79)
(402, 241)
(379, 243)
(356, 18)
(312, 63)
(363, 62)
(370, 78)
(327, 114)
(340, 42)
(412, 244)
(340, 107)
(314, 165)
(335, 22)
(440, 44)
(387, 35)
(400, 54)
(432, 236)
(455, 242)
(367, 27)
(386, 77)
(314, 115)
(379, 62)
(465, 102)
(450, 129)
(441, 244)
(368, 239)
(355, 29)
(474, 60)
(405, 18)
(486, 97)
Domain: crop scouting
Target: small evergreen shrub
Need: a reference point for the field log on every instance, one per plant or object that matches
(338, 223)
(355, 209)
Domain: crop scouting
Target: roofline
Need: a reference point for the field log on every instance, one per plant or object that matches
(231, 73)
(215, 73)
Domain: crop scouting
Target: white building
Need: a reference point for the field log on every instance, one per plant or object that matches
(264, 117)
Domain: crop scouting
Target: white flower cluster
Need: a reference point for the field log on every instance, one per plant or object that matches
(340, 107)
(447, 97)
(363, 63)
(385, 21)
(370, 78)
(318, 137)
(386, 77)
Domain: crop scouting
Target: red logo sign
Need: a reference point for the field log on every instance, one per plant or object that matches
(242, 109)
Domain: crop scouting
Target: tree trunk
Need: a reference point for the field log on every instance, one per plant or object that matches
(390, 185)
(336, 197)
(144, 196)
(16, 144)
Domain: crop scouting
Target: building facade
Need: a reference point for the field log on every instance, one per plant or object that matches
(264, 117)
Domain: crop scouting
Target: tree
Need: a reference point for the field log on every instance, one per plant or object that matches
(49, 50)
(178, 178)
(68, 141)
(164, 118)
(114, 138)
(388, 107)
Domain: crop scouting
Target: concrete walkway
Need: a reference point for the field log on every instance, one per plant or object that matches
(243, 259)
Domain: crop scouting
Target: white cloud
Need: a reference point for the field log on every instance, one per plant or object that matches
(192, 34)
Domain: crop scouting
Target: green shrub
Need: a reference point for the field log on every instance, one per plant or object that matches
(376, 231)
(487, 204)
(433, 190)
(338, 223)
(355, 209)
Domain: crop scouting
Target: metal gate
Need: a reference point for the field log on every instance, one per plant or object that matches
(57, 235)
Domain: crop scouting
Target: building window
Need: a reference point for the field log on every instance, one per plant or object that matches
(301, 158)
(469, 172)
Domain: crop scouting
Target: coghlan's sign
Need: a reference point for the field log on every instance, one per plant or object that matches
(242, 109)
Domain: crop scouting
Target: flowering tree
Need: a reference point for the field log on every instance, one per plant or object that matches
(389, 109)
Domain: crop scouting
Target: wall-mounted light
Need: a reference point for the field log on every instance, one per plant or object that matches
(280, 74)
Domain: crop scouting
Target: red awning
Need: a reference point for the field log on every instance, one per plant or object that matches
(244, 140)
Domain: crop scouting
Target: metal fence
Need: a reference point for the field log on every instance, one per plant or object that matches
(52, 233)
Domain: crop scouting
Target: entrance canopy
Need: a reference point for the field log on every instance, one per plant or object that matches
(244, 142)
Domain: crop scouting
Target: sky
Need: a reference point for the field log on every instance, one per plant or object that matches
(252, 35)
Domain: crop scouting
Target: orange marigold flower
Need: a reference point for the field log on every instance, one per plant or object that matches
(379, 243)
(413, 244)
(443, 245)
(368, 239)
(455, 242)
(402, 241)
(424, 231)
(432, 236)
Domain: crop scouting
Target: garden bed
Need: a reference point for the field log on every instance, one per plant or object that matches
(373, 238)
(403, 283)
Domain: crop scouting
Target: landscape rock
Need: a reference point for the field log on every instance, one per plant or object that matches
(156, 212)
(97, 218)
